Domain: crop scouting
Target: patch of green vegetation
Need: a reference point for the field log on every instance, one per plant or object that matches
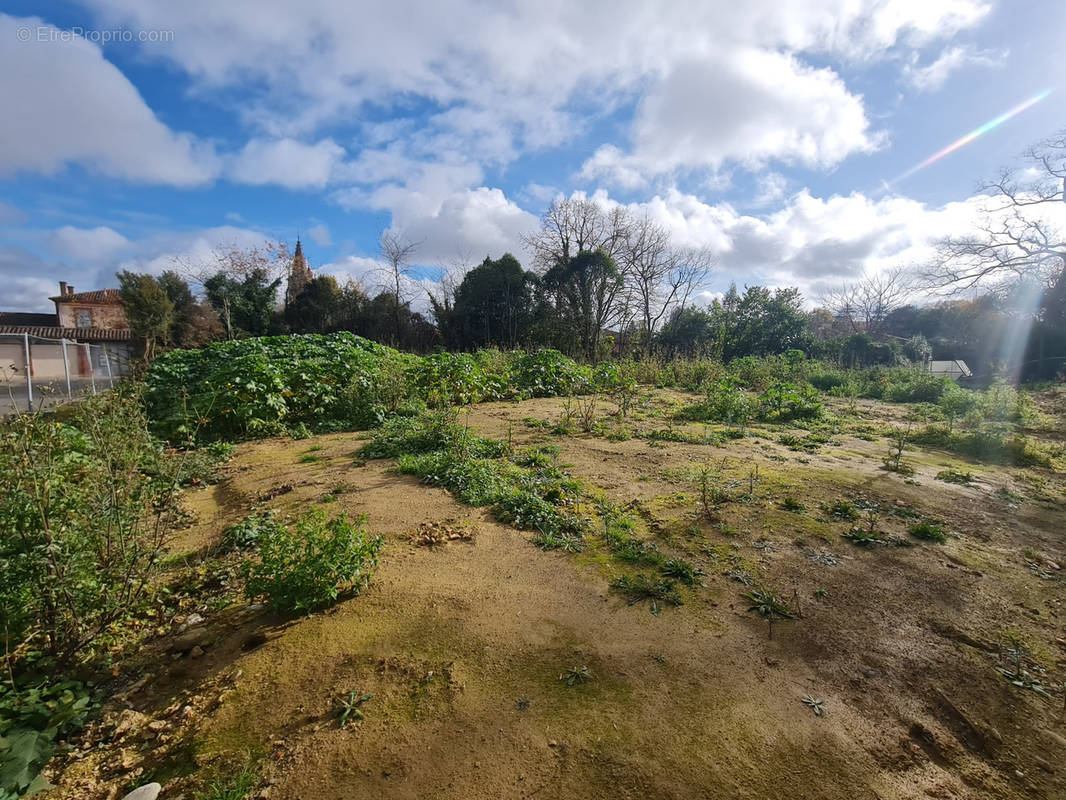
(769, 606)
(245, 535)
(929, 530)
(641, 587)
(790, 503)
(232, 787)
(955, 476)
(306, 567)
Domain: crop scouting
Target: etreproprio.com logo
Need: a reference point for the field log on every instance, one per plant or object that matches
(46, 33)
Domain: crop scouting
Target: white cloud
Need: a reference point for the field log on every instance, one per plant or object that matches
(320, 235)
(286, 162)
(932, 76)
(66, 104)
(513, 77)
(750, 106)
(88, 244)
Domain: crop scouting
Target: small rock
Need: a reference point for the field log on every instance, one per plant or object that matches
(150, 791)
(196, 652)
(552, 743)
(157, 725)
(1053, 565)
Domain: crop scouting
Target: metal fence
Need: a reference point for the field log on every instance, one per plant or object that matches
(36, 372)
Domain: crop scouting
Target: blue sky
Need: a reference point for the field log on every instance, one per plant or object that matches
(763, 131)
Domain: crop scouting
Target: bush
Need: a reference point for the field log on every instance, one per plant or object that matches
(782, 402)
(990, 443)
(86, 510)
(548, 373)
(305, 568)
(247, 533)
(32, 719)
(929, 531)
(270, 385)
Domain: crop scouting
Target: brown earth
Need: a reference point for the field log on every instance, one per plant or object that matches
(462, 645)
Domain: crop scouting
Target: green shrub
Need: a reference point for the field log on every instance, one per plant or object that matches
(32, 720)
(990, 443)
(306, 567)
(548, 373)
(259, 387)
(929, 530)
(784, 402)
(85, 513)
(246, 534)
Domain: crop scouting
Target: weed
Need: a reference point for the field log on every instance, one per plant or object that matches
(245, 535)
(575, 676)
(790, 503)
(234, 787)
(348, 708)
(306, 567)
(929, 530)
(955, 476)
(821, 594)
(768, 606)
(894, 460)
(841, 509)
(681, 570)
(815, 705)
(641, 587)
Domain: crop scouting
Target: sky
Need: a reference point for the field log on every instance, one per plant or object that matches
(779, 134)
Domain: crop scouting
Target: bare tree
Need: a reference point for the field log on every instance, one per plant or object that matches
(865, 303)
(659, 276)
(396, 253)
(265, 264)
(574, 225)
(1016, 238)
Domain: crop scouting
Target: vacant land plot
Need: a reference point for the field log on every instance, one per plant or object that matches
(825, 611)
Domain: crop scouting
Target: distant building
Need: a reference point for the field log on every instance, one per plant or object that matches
(299, 275)
(954, 369)
(102, 309)
(95, 318)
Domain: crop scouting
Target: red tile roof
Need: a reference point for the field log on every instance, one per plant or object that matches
(100, 296)
(79, 334)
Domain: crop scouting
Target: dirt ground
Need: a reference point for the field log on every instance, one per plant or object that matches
(462, 645)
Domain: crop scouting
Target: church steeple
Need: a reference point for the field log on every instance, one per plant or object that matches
(299, 274)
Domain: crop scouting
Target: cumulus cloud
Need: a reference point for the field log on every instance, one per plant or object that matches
(88, 244)
(286, 162)
(65, 104)
(750, 106)
(930, 77)
(504, 79)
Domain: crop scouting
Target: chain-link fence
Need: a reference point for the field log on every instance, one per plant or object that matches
(36, 372)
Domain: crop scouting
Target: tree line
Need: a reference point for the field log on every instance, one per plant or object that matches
(604, 281)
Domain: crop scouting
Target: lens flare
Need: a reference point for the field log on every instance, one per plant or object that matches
(974, 134)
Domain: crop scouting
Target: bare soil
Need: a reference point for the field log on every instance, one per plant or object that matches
(462, 642)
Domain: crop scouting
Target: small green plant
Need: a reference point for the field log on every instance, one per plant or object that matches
(681, 570)
(575, 676)
(894, 460)
(769, 606)
(790, 503)
(841, 509)
(233, 787)
(245, 535)
(955, 476)
(305, 568)
(814, 704)
(641, 587)
(821, 594)
(348, 708)
(32, 720)
(929, 530)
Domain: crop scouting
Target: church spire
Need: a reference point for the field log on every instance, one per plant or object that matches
(299, 274)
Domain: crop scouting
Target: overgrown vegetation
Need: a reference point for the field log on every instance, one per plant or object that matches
(307, 566)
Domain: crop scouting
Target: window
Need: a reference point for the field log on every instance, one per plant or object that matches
(101, 358)
(84, 319)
